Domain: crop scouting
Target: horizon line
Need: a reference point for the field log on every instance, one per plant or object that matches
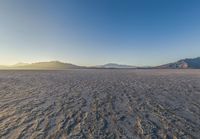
(61, 61)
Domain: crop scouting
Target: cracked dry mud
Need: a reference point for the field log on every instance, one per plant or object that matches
(100, 104)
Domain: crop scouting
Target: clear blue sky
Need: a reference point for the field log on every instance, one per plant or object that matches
(93, 32)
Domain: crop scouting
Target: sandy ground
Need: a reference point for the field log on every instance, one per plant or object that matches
(100, 104)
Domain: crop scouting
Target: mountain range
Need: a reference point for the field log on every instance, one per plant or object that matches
(118, 66)
(188, 63)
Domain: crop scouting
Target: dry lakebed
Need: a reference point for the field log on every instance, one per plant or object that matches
(100, 104)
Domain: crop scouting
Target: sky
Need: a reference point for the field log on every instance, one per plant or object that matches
(95, 32)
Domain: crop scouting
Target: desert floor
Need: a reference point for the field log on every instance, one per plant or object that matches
(100, 104)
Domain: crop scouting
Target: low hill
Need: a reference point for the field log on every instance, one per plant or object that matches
(3, 67)
(114, 65)
(52, 65)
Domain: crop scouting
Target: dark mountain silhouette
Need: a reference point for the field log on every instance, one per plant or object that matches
(188, 63)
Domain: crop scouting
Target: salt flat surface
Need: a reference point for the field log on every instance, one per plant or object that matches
(100, 104)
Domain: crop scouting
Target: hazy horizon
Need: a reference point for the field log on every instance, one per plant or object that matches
(138, 33)
(21, 63)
